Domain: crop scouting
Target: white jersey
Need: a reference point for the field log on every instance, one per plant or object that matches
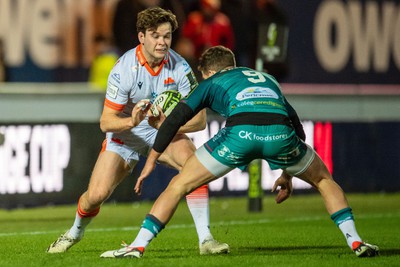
(132, 80)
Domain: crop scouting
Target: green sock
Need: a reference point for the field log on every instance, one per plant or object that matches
(152, 224)
(342, 216)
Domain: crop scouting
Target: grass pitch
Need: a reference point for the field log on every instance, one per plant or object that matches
(297, 232)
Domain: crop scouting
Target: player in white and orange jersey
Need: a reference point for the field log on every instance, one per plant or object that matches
(136, 79)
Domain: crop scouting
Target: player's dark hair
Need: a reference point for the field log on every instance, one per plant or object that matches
(216, 58)
(151, 18)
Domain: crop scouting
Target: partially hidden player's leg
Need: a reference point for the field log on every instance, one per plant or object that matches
(318, 176)
(176, 155)
(193, 175)
(109, 170)
(337, 205)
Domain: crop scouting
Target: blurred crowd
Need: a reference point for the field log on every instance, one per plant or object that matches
(202, 24)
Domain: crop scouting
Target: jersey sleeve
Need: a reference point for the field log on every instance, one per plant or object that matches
(187, 79)
(294, 118)
(196, 99)
(117, 93)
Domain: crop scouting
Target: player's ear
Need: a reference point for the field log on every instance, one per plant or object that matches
(141, 37)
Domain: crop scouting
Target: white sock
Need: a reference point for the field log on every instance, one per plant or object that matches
(82, 219)
(198, 205)
(142, 239)
(78, 228)
(349, 231)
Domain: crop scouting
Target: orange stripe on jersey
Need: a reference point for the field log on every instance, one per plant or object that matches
(104, 145)
(112, 105)
(140, 56)
(143, 61)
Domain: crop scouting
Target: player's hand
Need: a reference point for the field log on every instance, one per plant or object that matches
(146, 171)
(156, 121)
(286, 187)
(139, 111)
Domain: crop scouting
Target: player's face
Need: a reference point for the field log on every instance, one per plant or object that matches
(156, 43)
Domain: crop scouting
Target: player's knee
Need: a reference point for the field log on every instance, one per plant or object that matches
(319, 176)
(179, 188)
(97, 197)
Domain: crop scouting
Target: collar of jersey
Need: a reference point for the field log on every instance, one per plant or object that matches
(143, 61)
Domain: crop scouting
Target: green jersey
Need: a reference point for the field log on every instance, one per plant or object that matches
(260, 124)
(238, 90)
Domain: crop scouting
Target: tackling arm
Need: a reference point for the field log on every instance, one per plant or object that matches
(197, 123)
(179, 117)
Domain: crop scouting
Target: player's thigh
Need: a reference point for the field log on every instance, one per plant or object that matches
(315, 172)
(178, 151)
(110, 169)
(192, 175)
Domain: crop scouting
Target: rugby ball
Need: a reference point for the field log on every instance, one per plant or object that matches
(167, 101)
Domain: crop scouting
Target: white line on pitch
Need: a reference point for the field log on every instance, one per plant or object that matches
(221, 223)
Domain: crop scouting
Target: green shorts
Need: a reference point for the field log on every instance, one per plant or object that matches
(237, 146)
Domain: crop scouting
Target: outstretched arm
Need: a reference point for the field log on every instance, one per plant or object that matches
(179, 116)
(197, 123)
(147, 169)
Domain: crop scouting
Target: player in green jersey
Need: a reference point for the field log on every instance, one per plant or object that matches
(261, 124)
